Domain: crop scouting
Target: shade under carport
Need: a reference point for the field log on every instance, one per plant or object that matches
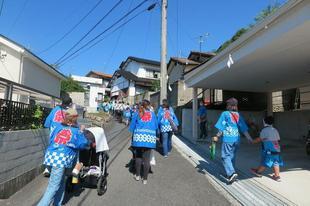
(272, 56)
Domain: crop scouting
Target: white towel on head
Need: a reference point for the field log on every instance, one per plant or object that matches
(101, 140)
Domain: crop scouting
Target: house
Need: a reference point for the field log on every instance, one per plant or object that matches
(94, 93)
(23, 74)
(134, 79)
(106, 78)
(180, 94)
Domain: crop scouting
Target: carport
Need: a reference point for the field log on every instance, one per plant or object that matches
(272, 56)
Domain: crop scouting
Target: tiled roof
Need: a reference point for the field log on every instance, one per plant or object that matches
(106, 76)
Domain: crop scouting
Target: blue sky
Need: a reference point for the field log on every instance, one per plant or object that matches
(36, 24)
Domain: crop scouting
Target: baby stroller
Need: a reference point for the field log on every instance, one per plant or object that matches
(94, 170)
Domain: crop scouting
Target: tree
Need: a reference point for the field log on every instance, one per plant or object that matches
(266, 12)
(70, 85)
(155, 85)
(261, 16)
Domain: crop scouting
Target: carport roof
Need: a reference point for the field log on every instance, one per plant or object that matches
(274, 55)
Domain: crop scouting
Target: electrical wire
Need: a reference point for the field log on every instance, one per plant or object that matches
(85, 35)
(19, 15)
(1, 8)
(100, 34)
(74, 27)
(100, 40)
(117, 40)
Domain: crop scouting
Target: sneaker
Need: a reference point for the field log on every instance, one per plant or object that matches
(46, 173)
(144, 182)
(137, 178)
(232, 177)
(254, 172)
(276, 178)
(166, 156)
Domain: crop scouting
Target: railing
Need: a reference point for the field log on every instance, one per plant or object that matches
(18, 116)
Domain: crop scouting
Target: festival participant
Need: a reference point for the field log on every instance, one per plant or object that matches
(270, 139)
(202, 119)
(66, 140)
(229, 125)
(55, 118)
(144, 128)
(168, 123)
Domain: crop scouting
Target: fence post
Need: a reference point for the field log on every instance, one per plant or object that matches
(8, 92)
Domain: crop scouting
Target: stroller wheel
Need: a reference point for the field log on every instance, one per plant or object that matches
(102, 185)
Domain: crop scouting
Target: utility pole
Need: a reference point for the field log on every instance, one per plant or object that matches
(163, 57)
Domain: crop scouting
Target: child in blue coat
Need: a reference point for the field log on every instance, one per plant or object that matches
(65, 142)
(270, 139)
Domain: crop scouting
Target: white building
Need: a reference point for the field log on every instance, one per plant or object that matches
(94, 91)
(25, 76)
(134, 77)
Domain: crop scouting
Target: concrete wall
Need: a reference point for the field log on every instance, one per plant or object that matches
(21, 157)
(77, 98)
(293, 125)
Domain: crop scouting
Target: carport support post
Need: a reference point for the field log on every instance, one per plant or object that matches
(269, 104)
(195, 106)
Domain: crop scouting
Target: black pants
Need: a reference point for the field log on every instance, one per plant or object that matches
(203, 129)
(143, 156)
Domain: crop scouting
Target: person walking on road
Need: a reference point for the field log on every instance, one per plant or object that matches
(202, 119)
(270, 139)
(55, 118)
(66, 140)
(144, 127)
(168, 124)
(229, 125)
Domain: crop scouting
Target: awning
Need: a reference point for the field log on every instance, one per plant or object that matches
(274, 55)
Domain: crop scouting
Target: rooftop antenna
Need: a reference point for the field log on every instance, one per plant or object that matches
(201, 41)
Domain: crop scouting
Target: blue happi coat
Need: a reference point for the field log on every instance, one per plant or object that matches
(163, 117)
(64, 145)
(55, 118)
(229, 124)
(144, 129)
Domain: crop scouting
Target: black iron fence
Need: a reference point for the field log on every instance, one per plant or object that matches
(18, 116)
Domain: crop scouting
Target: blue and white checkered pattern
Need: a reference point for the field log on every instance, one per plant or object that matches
(144, 138)
(166, 128)
(58, 160)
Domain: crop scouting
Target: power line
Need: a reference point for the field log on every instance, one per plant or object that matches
(117, 40)
(97, 42)
(1, 8)
(19, 15)
(85, 35)
(110, 27)
(74, 27)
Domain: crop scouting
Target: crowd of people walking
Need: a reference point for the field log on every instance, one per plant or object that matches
(149, 130)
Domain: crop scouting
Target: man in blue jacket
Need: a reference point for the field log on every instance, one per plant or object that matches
(55, 118)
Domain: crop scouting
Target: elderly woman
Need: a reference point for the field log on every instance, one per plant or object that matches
(144, 128)
(65, 142)
(230, 125)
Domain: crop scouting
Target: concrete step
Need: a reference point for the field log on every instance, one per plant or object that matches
(246, 190)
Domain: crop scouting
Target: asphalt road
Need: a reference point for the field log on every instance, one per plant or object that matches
(174, 182)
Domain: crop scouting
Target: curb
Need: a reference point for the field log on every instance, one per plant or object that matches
(242, 192)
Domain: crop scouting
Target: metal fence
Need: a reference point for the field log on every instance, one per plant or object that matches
(18, 116)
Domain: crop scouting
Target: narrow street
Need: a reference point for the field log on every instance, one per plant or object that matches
(174, 182)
